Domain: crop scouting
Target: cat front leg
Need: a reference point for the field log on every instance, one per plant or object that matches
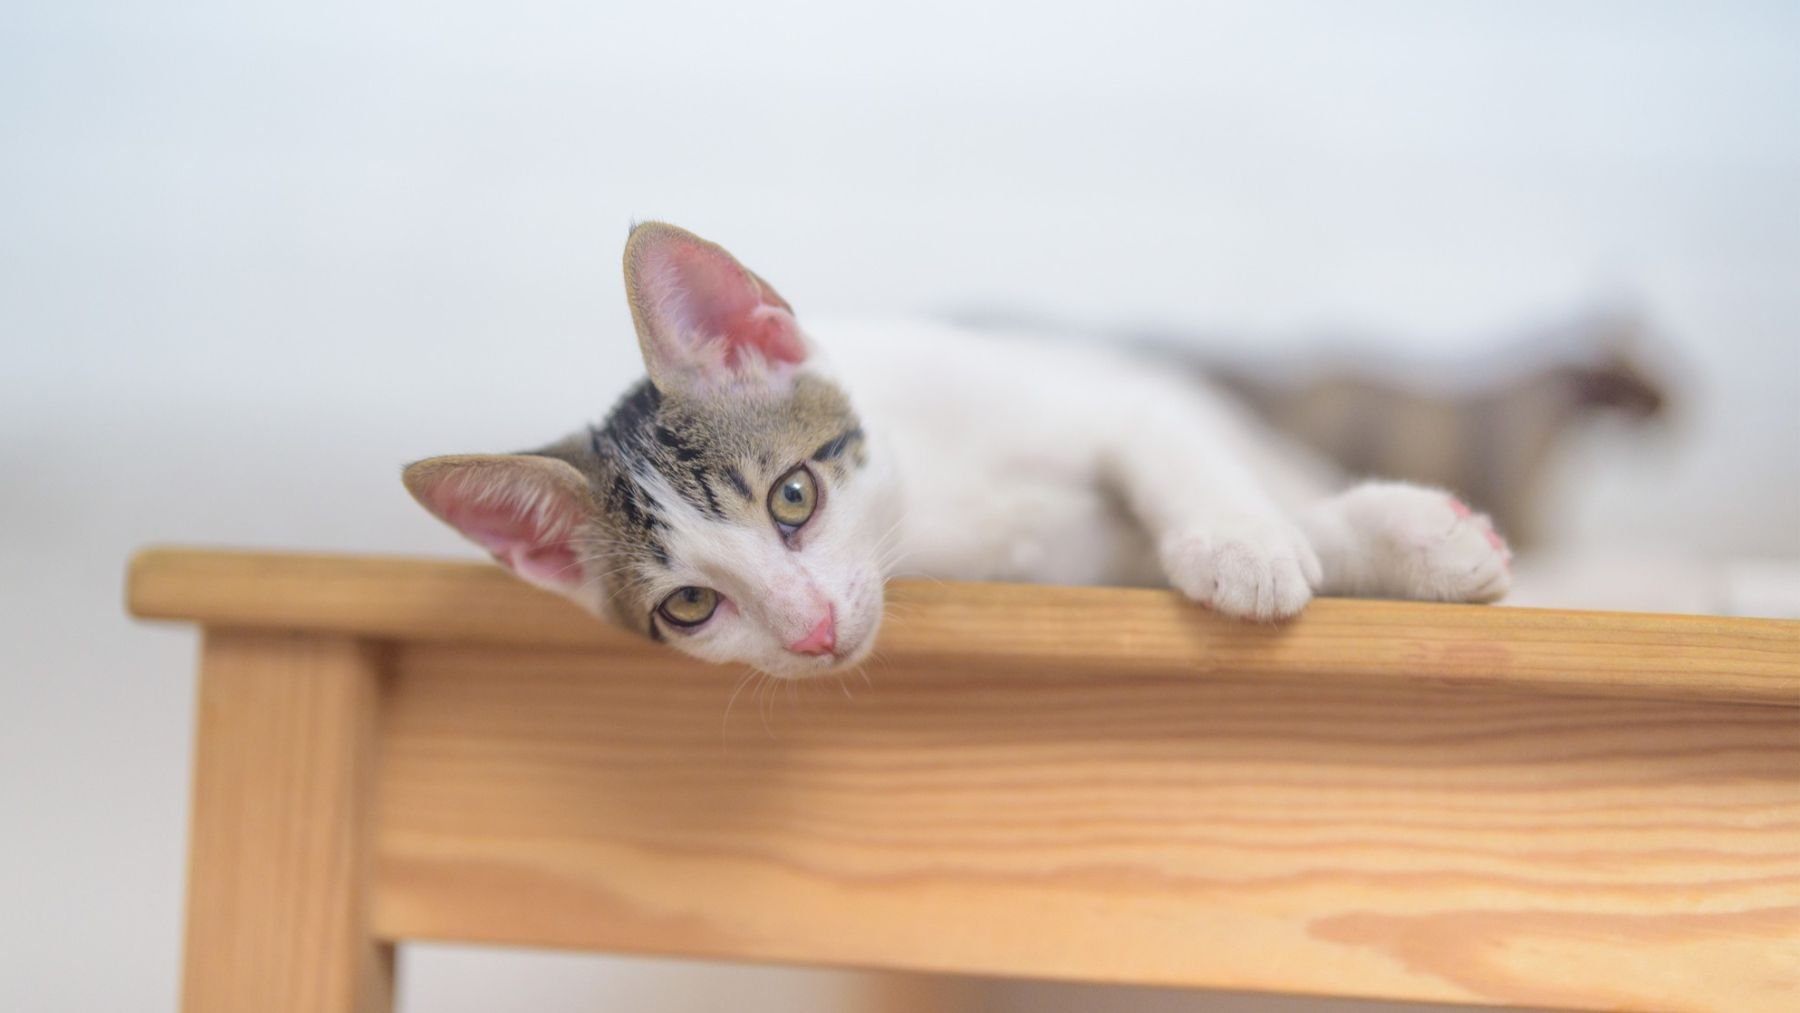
(1220, 538)
(1397, 540)
(1241, 564)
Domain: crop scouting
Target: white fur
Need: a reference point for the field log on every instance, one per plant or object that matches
(772, 594)
(1032, 459)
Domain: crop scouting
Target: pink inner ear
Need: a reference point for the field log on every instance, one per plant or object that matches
(535, 547)
(513, 547)
(700, 292)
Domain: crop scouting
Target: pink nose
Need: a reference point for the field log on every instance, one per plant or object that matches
(821, 639)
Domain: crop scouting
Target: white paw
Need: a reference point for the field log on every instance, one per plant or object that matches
(1243, 566)
(1447, 552)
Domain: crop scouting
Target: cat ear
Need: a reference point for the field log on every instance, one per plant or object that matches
(525, 510)
(705, 322)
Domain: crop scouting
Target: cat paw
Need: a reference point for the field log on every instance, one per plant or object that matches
(1448, 552)
(1246, 567)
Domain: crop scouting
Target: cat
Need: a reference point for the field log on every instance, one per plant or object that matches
(1495, 430)
(740, 506)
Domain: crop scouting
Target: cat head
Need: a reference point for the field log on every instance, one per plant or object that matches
(730, 506)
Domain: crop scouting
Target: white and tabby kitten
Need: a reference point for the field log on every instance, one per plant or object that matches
(736, 506)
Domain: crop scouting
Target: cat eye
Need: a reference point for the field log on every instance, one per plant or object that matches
(689, 606)
(793, 500)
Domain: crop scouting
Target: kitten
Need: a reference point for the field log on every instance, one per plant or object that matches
(1494, 432)
(738, 506)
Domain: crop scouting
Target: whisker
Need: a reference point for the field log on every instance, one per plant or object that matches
(766, 696)
(743, 680)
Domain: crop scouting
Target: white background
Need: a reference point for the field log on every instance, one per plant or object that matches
(252, 257)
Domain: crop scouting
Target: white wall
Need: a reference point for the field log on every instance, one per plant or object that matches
(253, 257)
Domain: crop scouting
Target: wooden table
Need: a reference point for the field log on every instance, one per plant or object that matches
(1433, 802)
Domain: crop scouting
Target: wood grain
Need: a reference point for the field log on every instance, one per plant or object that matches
(1462, 843)
(1485, 805)
(278, 893)
(1096, 632)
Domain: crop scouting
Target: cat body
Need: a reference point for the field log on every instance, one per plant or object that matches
(746, 502)
(1009, 444)
(1492, 425)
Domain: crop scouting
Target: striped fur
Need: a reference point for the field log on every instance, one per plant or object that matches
(720, 458)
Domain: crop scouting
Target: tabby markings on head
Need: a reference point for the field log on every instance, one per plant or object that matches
(718, 457)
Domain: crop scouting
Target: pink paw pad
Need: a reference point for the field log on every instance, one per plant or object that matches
(1462, 512)
(1500, 546)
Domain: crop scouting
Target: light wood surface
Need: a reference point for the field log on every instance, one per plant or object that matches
(1444, 844)
(1099, 632)
(278, 897)
(1483, 805)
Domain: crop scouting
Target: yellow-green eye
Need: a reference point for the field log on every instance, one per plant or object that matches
(793, 499)
(689, 606)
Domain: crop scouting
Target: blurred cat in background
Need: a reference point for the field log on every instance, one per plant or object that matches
(746, 501)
